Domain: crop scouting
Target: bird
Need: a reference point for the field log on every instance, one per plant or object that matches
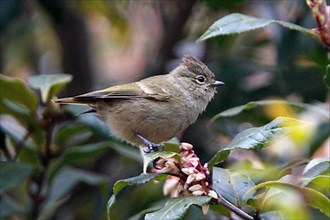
(148, 112)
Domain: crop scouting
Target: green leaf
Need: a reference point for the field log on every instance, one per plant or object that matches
(72, 134)
(238, 23)
(251, 105)
(316, 167)
(232, 186)
(319, 137)
(220, 210)
(317, 200)
(79, 154)
(320, 183)
(253, 138)
(126, 151)
(172, 145)
(110, 203)
(175, 208)
(314, 198)
(17, 93)
(63, 184)
(10, 207)
(95, 124)
(13, 174)
(12, 128)
(49, 85)
(218, 158)
(273, 215)
(142, 213)
(17, 132)
(258, 137)
(30, 155)
(121, 184)
(138, 180)
(327, 76)
(100, 129)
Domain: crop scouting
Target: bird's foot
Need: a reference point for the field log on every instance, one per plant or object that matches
(152, 147)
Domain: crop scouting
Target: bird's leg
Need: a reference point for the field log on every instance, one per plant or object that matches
(152, 147)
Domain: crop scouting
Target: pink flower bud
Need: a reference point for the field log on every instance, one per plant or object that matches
(213, 194)
(200, 176)
(198, 193)
(188, 170)
(172, 186)
(185, 146)
(205, 209)
(195, 187)
(194, 161)
(190, 178)
(172, 165)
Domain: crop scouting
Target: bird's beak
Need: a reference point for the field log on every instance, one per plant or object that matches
(217, 83)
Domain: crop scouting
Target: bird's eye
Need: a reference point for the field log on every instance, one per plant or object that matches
(200, 79)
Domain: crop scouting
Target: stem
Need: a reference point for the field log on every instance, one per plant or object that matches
(238, 211)
(38, 196)
(5, 152)
(21, 143)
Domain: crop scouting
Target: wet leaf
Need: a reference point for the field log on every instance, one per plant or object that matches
(253, 138)
(63, 184)
(314, 198)
(231, 185)
(13, 174)
(16, 91)
(316, 167)
(72, 134)
(138, 180)
(79, 154)
(10, 207)
(175, 208)
(273, 215)
(238, 23)
(49, 85)
(121, 184)
(252, 105)
(327, 76)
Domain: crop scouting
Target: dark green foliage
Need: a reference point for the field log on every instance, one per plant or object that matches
(273, 155)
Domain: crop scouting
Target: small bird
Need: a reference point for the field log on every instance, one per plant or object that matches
(155, 109)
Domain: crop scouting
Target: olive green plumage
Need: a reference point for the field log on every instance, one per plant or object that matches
(158, 107)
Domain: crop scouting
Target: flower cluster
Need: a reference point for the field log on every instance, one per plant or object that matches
(188, 176)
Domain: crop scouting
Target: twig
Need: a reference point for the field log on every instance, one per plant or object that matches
(38, 196)
(5, 152)
(238, 211)
(21, 143)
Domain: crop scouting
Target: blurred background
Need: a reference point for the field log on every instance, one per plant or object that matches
(103, 43)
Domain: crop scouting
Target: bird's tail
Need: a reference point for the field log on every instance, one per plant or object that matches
(72, 100)
(75, 101)
(64, 101)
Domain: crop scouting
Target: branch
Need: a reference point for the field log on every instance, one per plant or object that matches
(236, 210)
(21, 143)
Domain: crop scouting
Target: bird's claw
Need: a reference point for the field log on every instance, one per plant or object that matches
(152, 147)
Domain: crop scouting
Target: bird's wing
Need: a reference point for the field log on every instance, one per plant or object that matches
(125, 91)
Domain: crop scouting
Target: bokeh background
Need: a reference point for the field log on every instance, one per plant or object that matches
(103, 43)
